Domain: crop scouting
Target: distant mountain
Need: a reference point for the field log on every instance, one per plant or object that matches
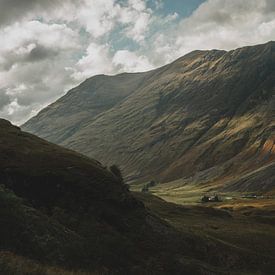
(208, 116)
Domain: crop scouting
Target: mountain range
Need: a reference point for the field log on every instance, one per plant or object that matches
(208, 117)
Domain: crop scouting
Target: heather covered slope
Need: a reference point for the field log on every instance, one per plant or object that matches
(61, 211)
(210, 115)
(62, 208)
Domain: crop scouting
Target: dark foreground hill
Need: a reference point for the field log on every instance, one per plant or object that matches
(62, 211)
(209, 115)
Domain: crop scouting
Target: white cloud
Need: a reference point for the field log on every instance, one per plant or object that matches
(138, 5)
(33, 40)
(31, 86)
(126, 61)
(97, 60)
(221, 24)
(159, 4)
(32, 61)
(97, 16)
(137, 18)
(101, 17)
(137, 31)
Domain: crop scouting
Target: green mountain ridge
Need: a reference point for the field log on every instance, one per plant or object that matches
(207, 111)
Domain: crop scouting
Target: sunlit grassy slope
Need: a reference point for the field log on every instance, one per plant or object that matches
(190, 190)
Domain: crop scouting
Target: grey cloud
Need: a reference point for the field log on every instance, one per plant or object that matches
(42, 83)
(37, 54)
(4, 99)
(270, 6)
(40, 53)
(15, 10)
(219, 17)
(12, 10)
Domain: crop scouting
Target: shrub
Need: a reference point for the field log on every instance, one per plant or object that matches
(116, 172)
(152, 183)
(145, 189)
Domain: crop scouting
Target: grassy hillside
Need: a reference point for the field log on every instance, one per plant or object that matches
(63, 213)
(207, 116)
(244, 227)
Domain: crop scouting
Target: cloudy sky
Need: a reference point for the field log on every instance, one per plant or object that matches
(49, 46)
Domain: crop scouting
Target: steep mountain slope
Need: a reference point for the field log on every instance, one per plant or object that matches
(209, 115)
(62, 211)
(84, 103)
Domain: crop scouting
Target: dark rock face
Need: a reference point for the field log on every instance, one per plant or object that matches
(207, 111)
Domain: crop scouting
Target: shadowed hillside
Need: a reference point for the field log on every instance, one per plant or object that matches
(61, 211)
(208, 116)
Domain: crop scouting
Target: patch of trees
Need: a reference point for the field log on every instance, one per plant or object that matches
(116, 172)
(147, 186)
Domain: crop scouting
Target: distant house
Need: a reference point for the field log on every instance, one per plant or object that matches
(249, 196)
(214, 198)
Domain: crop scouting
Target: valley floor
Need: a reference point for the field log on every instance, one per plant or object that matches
(244, 225)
